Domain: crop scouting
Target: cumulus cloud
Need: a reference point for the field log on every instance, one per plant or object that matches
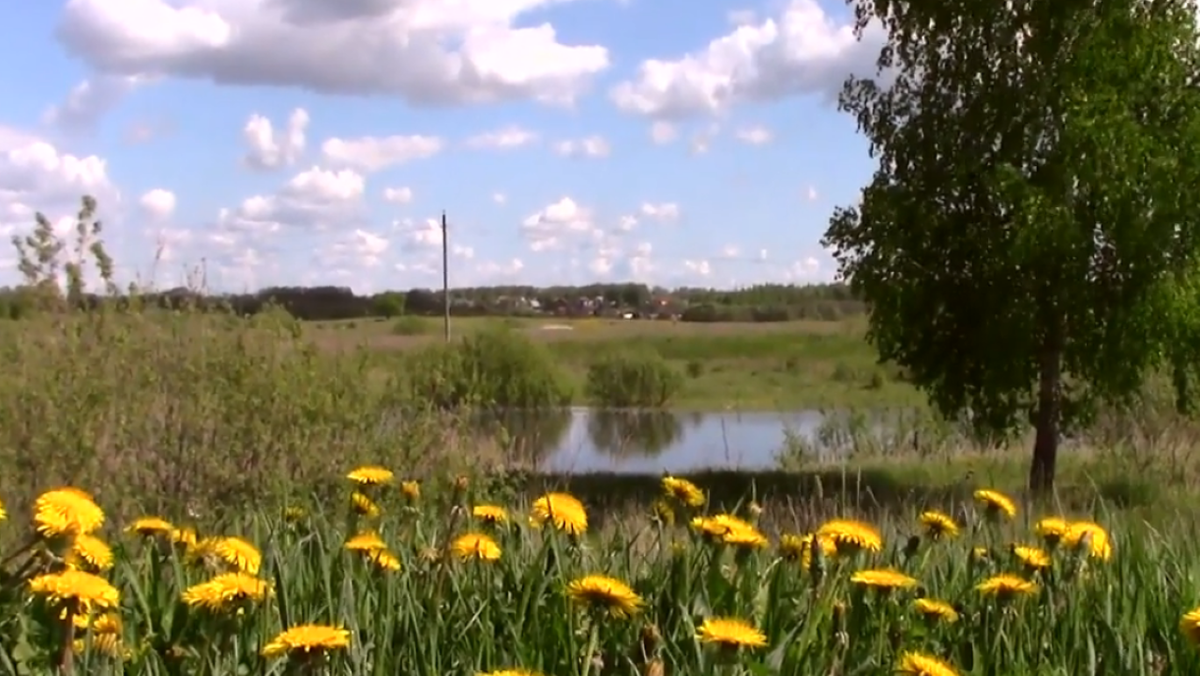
(502, 139)
(802, 50)
(158, 204)
(548, 227)
(401, 195)
(373, 153)
(663, 133)
(37, 176)
(755, 136)
(313, 199)
(90, 100)
(268, 150)
(591, 146)
(664, 212)
(426, 52)
(499, 197)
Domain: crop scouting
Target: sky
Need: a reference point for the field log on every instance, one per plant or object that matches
(248, 143)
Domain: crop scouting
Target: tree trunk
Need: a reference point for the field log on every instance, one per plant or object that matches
(1048, 417)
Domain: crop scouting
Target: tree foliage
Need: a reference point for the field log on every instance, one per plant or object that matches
(1028, 242)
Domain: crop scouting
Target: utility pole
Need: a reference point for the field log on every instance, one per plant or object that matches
(445, 278)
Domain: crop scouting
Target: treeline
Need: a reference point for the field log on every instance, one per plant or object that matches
(767, 302)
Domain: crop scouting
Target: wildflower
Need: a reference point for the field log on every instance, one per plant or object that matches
(730, 633)
(238, 553)
(109, 645)
(1006, 586)
(995, 503)
(883, 578)
(1189, 624)
(726, 528)
(916, 664)
(745, 538)
(605, 593)
(383, 560)
(366, 541)
(851, 535)
(309, 640)
(683, 491)
(932, 609)
(562, 510)
(184, 537)
(93, 552)
(411, 490)
(66, 511)
(150, 526)
(87, 592)
(980, 553)
(294, 514)
(799, 547)
(663, 512)
(1097, 543)
(363, 506)
(1051, 529)
(106, 634)
(371, 475)
(1033, 557)
(938, 525)
(490, 514)
(225, 591)
(476, 546)
(3, 512)
(509, 672)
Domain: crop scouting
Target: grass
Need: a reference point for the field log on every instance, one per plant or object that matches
(744, 366)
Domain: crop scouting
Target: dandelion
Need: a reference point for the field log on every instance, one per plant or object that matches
(980, 553)
(1051, 529)
(366, 541)
(85, 591)
(745, 538)
(851, 535)
(371, 475)
(883, 578)
(1006, 586)
(1096, 538)
(1189, 624)
(363, 506)
(938, 525)
(411, 490)
(509, 672)
(728, 529)
(106, 634)
(226, 591)
(492, 515)
(66, 511)
(683, 491)
(92, 552)
(151, 526)
(3, 512)
(562, 510)
(106, 644)
(799, 548)
(995, 503)
(476, 546)
(238, 553)
(663, 512)
(1032, 557)
(605, 593)
(730, 633)
(383, 560)
(916, 664)
(184, 537)
(932, 609)
(294, 514)
(307, 641)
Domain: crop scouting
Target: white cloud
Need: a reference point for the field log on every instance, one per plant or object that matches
(499, 197)
(741, 17)
(699, 267)
(426, 234)
(627, 223)
(592, 146)
(500, 271)
(372, 153)
(401, 195)
(810, 193)
(640, 265)
(755, 136)
(356, 249)
(433, 52)
(663, 212)
(502, 139)
(730, 251)
(805, 269)
(802, 50)
(268, 152)
(313, 199)
(158, 204)
(547, 228)
(90, 100)
(663, 133)
(37, 176)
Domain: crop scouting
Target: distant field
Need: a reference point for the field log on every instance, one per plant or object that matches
(747, 366)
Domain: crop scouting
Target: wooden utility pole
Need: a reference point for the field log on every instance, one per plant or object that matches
(445, 279)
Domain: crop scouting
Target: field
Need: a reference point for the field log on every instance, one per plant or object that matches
(744, 366)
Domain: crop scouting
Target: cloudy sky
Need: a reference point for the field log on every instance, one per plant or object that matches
(318, 141)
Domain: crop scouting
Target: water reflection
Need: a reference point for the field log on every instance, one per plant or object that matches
(630, 433)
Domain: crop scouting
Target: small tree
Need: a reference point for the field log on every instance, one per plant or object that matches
(1029, 241)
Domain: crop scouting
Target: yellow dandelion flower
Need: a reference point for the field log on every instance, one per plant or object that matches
(933, 609)
(562, 510)
(851, 535)
(411, 490)
(490, 514)
(799, 547)
(980, 553)
(3, 512)
(226, 591)
(383, 560)
(1051, 529)
(308, 640)
(938, 525)
(367, 541)
(86, 591)
(364, 506)
(683, 491)
(996, 503)
(730, 633)
(883, 578)
(1098, 544)
(916, 664)
(66, 511)
(1006, 586)
(1189, 624)
(294, 514)
(745, 538)
(107, 623)
(92, 552)
(184, 537)
(1033, 557)
(725, 528)
(476, 546)
(238, 553)
(150, 526)
(371, 475)
(109, 645)
(509, 672)
(605, 593)
(663, 512)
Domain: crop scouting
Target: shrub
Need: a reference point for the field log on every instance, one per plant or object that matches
(640, 379)
(495, 368)
(409, 325)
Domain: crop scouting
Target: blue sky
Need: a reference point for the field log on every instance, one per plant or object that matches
(309, 142)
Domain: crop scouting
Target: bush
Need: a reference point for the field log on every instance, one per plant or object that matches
(641, 380)
(409, 325)
(496, 368)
